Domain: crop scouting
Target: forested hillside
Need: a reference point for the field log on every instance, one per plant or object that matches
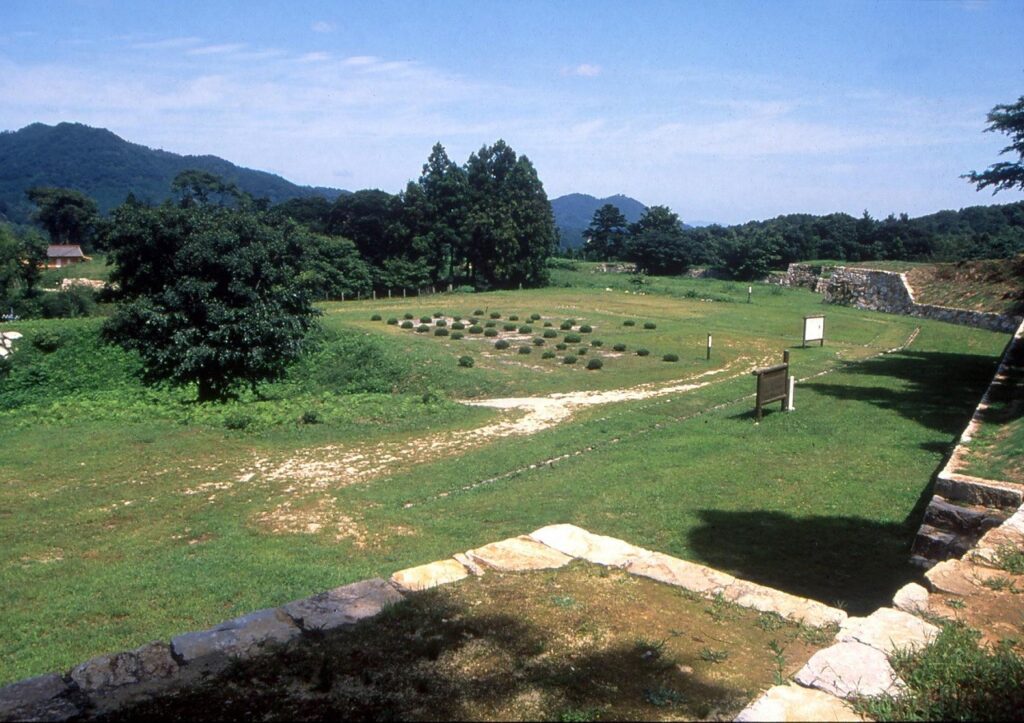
(107, 168)
(573, 213)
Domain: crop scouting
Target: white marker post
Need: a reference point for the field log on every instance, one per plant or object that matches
(789, 399)
(709, 347)
(750, 293)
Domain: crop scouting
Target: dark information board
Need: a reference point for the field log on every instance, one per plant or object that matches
(772, 385)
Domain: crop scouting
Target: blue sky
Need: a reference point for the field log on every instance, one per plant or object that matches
(723, 111)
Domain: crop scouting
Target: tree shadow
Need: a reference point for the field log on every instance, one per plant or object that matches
(856, 563)
(939, 390)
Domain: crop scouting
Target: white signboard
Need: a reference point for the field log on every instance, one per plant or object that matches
(814, 329)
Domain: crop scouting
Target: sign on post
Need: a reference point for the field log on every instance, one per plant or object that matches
(814, 329)
(772, 385)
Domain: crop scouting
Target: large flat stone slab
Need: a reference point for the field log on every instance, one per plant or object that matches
(769, 600)
(424, 577)
(344, 605)
(954, 577)
(241, 638)
(911, 598)
(795, 703)
(45, 697)
(681, 573)
(599, 549)
(888, 630)
(518, 554)
(112, 681)
(850, 669)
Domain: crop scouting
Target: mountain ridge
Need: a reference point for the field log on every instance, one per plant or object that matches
(574, 211)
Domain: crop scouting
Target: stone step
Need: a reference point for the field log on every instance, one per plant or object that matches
(978, 492)
(964, 518)
(936, 544)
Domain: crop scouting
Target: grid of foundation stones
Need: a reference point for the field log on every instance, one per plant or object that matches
(886, 291)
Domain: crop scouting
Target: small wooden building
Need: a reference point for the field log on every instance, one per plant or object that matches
(59, 255)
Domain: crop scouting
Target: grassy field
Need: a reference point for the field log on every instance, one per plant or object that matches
(131, 514)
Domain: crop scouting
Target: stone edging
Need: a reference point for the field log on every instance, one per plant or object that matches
(109, 683)
(7, 339)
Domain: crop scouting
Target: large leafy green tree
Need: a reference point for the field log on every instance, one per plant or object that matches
(439, 203)
(1005, 175)
(68, 216)
(208, 295)
(658, 245)
(606, 234)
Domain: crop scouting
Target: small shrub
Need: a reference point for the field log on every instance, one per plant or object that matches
(392, 321)
(650, 325)
(525, 349)
(501, 344)
(408, 315)
(548, 323)
(47, 341)
(642, 352)
(237, 421)
(440, 322)
(406, 324)
(619, 347)
(582, 351)
(548, 355)
(550, 334)
(492, 332)
(456, 318)
(561, 346)
(456, 335)
(534, 317)
(476, 329)
(573, 338)
(526, 329)
(438, 314)
(670, 358)
(465, 361)
(458, 325)
(596, 342)
(425, 320)
(478, 312)
(495, 315)
(565, 325)
(508, 327)
(586, 329)
(311, 416)
(490, 324)
(629, 322)
(423, 328)
(537, 341)
(569, 359)
(375, 317)
(594, 363)
(440, 331)
(513, 317)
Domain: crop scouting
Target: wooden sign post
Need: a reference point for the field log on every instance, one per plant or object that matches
(772, 385)
(814, 329)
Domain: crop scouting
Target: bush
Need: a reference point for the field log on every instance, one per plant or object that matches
(525, 349)
(501, 344)
(534, 317)
(550, 334)
(438, 314)
(595, 363)
(495, 315)
(465, 361)
(407, 315)
(569, 359)
(629, 322)
(548, 323)
(619, 347)
(440, 331)
(47, 341)
(375, 317)
(456, 335)
(491, 324)
(458, 325)
(513, 317)
(478, 312)
(423, 328)
(596, 342)
(526, 329)
(537, 341)
(586, 329)
(670, 358)
(650, 325)
(456, 318)
(440, 322)
(490, 332)
(508, 327)
(642, 352)
(77, 301)
(392, 321)
(548, 355)
(582, 351)
(566, 325)
(310, 416)
(476, 329)
(406, 324)
(425, 320)
(561, 346)
(573, 338)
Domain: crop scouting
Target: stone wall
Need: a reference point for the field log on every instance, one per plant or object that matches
(803, 276)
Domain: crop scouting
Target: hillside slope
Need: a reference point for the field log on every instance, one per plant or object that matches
(108, 168)
(574, 211)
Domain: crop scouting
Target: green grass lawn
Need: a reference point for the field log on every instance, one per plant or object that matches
(132, 514)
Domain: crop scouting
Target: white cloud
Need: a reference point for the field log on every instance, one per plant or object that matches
(222, 49)
(322, 26)
(168, 43)
(585, 70)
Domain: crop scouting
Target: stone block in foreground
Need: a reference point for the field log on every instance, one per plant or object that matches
(673, 571)
(599, 549)
(44, 698)
(424, 577)
(113, 681)
(888, 630)
(244, 637)
(769, 600)
(344, 605)
(518, 554)
(795, 703)
(911, 598)
(850, 669)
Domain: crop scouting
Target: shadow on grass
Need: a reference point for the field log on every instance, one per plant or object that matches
(432, 657)
(938, 390)
(851, 562)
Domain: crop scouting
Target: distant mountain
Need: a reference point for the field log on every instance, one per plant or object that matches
(574, 212)
(108, 168)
